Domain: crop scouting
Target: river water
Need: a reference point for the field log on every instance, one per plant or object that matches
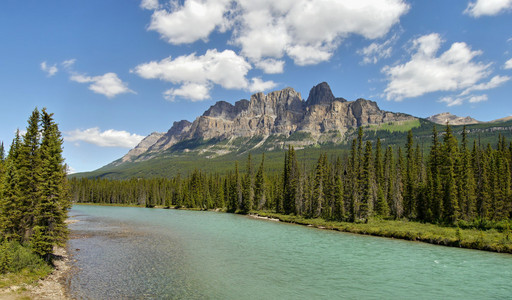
(139, 253)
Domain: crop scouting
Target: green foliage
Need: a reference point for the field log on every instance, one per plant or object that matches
(15, 258)
(35, 197)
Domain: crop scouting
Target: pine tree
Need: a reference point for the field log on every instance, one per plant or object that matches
(365, 209)
(10, 210)
(259, 186)
(248, 188)
(410, 179)
(290, 182)
(339, 203)
(449, 157)
(30, 174)
(435, 194)
(51, 210)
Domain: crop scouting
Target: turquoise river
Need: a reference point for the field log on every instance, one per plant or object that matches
(139, 253)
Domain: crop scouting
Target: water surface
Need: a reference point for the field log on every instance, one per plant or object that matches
(139, 253)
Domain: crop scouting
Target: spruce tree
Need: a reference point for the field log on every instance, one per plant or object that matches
(248, 188)
(51, 211)
(365, 209)
(259, 185)
(30, 175)
(410, 179)
(10, 208)
(339, 203)
(448, 172)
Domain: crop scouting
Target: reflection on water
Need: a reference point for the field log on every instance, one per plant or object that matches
(138, 253)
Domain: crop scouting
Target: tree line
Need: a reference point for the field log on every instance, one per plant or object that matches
(453, 183)
(34, 192)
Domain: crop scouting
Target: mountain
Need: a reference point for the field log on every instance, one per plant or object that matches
(226, 133)
(445, 117)
(505, 119)
(320, 118)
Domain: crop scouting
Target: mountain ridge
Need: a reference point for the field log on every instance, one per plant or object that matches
(281, 113)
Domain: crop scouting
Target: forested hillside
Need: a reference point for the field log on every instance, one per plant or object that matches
(451, 182)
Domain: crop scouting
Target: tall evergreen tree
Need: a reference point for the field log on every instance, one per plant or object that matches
(365, 209)
(248, 188)
(10, 209)
(448, 172)
(410, 179)
(30, 174)
(259, 185)
(51, 210)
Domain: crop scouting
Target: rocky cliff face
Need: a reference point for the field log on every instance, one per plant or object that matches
(142, 147)
(445, 117)
(281, 112)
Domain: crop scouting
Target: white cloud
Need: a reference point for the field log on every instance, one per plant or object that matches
(493, 83)
(193, 91)
(308, 31)
(49, 70)
(451, 101)
(68, 63)
(258, 85)
(270, 66)
(487, 7)
(452, 70)
(377, 51)
(107, 138)
(149, 4)
(508, 64)
(476, 99)
(459, 100)
(225, 68)
(108, 84)
(187, 23)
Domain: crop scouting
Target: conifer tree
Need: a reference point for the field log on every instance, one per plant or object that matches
(290, 181)
(448, 171)
(10, 210)
(435, 194)
(410, 179)
(30, 174)
(248, 188)
(259, 186)
(339, 203)
(365, 209)
(51, 210)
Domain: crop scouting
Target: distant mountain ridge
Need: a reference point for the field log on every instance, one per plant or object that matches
(321, 117)
(451, 119)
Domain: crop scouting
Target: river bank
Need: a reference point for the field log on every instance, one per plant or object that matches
(486, 240)
(51, 287)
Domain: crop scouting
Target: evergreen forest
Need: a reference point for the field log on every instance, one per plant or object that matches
(34, 195)
(453, 183)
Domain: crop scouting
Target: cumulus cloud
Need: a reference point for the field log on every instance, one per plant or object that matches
(198, 73)
(377, 51)
(49, 70)
(107, 138)
(192, 91)
(149, 4)
(308, 31)
(192, 21)
(270, 66)
(508, 64)
(453, 70)
(258, 85)
(108, 84)
(491, 84)
(487, 7)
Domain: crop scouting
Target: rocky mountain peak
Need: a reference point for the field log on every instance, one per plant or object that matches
(451, 119)
(320, 94)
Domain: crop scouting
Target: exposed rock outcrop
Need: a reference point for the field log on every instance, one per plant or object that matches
(447, 117)
(281, 112)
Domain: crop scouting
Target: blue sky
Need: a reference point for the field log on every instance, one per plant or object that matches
(114, 71)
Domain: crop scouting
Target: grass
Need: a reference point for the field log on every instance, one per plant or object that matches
(488, 240)
(401, 126)
(20, 266)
